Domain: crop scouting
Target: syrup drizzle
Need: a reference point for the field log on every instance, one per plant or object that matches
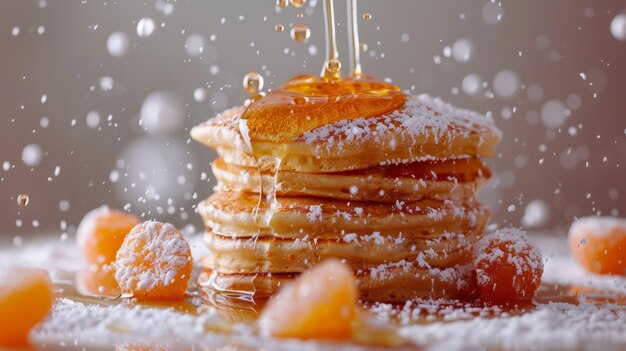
(304, 103)
(355, 46)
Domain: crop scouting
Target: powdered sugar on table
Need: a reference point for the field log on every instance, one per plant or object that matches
(572, 323)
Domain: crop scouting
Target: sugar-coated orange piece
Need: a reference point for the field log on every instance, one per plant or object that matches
(599, 244)
(25, 299)
(154, 262)
(101, 233)
(320, 304)
(508, 267)
(97, 280)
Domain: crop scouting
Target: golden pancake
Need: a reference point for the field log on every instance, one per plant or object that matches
(394, 282)
(424, 128)
(440, 180)
(232, 214)
(271, 255)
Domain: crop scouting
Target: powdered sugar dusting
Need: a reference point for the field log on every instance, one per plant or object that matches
(598, 226)
(433, 324)
(96, 327)
(520, 253)
(551, 326)
(314, 214)
(151, 256)
(421, 116)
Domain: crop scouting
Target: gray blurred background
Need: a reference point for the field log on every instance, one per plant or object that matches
(77, 77)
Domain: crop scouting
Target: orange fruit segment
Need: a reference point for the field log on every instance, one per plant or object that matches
(599, 244)
(154, 262)
(25, 299)
(508, 267)
(320, 304)
(101, 233)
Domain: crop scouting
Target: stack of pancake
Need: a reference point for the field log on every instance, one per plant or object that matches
(394, 196)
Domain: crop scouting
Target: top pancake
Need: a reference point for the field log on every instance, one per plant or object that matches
(425, 128)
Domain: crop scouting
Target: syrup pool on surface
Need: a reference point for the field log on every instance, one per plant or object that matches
(567, 298)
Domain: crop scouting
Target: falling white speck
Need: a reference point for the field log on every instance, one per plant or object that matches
(161, 111)
(506, 83)
(194, 45)
(44, 122)
(15, 31)
(553, 113)
(618, 27)
(32, 155)
(6, 165)
(64, 205)
(312, 50)
(354, 190)
(405, 37)
(106, 83)
(214, 69)
(462, 50)
(145, 27)
(542, 41)
(114, 176)
(506, 113)
(573, 101)
(41, 30)
(168, 8)
(17, 240)
(536, 214)
(471, 84)
(492, 12)
(199, 94)
(93, 119)
(511, 208)
(554, 56)
(118, 44)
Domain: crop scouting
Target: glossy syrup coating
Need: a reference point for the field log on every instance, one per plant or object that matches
(508, 267)
(599, 244)
(101, 233)
(154, 262)
(25, 300)
(320, 304)
(307, 102)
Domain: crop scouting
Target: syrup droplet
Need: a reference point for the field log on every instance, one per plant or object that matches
(299, 14)
(297, 3)
(367, 16)
(22, 200)
(330, 71)
(299, 100)
(279, 28)
(300, 33)
(253, 83)
(282, 3)
(333, 66)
